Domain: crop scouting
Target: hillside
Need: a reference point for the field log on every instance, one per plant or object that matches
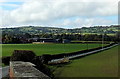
(35, 30)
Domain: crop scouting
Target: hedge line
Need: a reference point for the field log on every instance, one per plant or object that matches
(57, 56)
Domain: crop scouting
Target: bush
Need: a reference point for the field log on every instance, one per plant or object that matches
(22, 55)
(6, 60)
(38, 61)
(45, 58)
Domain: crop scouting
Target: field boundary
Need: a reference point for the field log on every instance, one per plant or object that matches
(80, 53)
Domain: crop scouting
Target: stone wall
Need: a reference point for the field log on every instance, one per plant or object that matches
(25, 70)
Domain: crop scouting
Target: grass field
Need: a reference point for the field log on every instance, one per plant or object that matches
(40, 49)
(102, 64)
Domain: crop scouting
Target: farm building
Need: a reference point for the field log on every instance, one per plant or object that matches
(42, 40)
(47, 40)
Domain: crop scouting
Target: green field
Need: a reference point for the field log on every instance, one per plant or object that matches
(102, 64)
(40, 49)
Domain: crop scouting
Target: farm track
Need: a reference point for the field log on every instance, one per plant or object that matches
(83, 54)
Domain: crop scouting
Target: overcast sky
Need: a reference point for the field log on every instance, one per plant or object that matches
(58, 13)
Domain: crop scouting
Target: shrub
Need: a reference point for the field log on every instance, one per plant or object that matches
(38, 61)
(45, 58)
(6, 60)
(22, 55)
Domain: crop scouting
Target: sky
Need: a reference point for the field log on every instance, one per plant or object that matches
(58, 13)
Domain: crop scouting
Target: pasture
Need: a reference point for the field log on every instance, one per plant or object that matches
(102, 64)
(40, 49)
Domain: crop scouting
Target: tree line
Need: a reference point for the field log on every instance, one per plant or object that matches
(23, 38)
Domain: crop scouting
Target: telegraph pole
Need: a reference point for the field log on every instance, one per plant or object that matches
(102, 37)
